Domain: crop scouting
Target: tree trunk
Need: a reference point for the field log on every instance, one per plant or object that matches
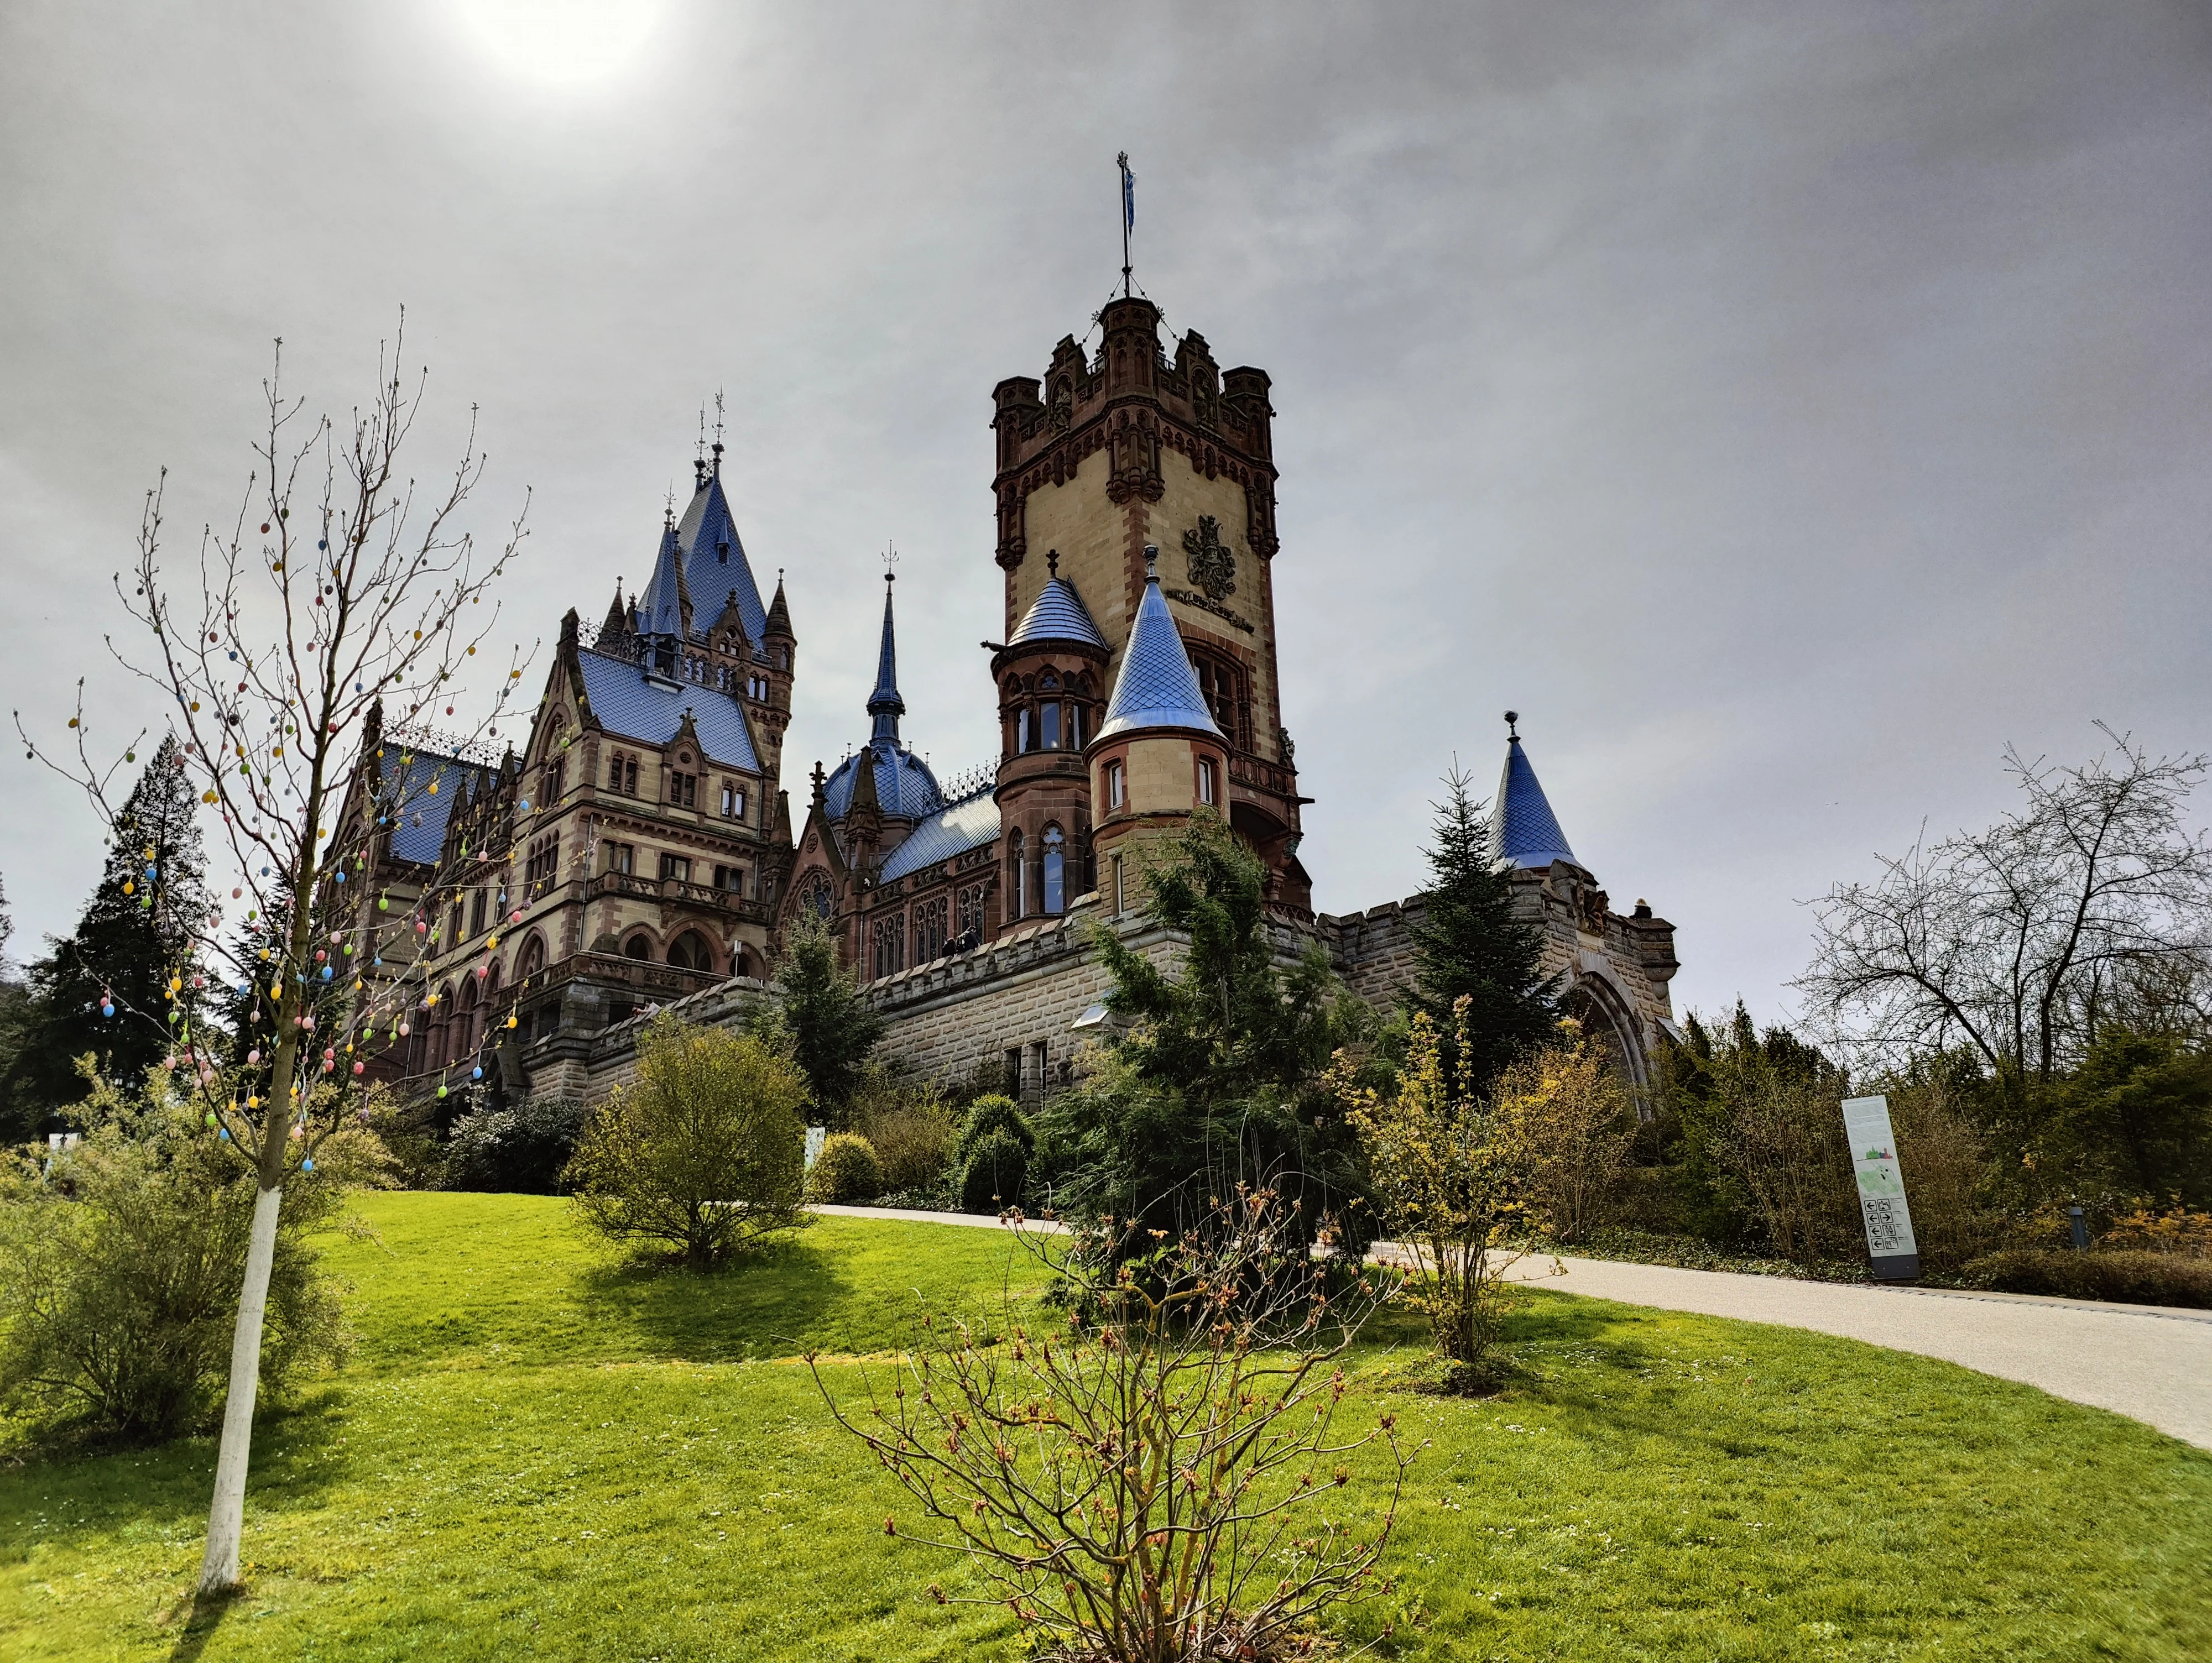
(227, 1518)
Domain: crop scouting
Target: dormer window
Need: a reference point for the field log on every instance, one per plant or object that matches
(683, 789)
(733, 800)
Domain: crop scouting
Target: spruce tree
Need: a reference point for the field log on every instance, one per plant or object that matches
(832, 1029)
(1471, 946)
(134, 936)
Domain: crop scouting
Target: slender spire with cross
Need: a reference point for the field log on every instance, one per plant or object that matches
(885, 705)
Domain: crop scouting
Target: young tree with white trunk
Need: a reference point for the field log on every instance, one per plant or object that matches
(299, 636)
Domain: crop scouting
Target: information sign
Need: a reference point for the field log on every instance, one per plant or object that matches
(1896, 1255)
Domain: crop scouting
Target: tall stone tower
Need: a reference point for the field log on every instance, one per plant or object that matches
(1107, 455)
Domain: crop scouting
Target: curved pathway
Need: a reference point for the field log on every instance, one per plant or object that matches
(2151, 1364)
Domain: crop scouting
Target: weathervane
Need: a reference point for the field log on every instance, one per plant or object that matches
(890, 558)
(1129, 216)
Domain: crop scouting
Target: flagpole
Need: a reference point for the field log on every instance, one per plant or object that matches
(1128, 216)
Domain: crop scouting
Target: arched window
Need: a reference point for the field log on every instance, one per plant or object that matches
(465, 1020)
(1049, 725)
(1023, 731)
(534, 956)
(1055, 871)
(688, 952)
(1017, 878)
(638, 947)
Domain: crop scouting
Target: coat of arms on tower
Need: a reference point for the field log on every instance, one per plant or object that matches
(1212, 562)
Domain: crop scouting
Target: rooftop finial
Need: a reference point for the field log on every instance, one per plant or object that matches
(890, 558)
(1511, 717)
(1129, 216)
(1052, 562)
(668, 506)
(700, 455)
(718, 431)
(1152, 563)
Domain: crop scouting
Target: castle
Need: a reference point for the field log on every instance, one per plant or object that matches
(639, 849)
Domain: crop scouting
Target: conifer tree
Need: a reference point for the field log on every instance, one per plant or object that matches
(832, 1029)
(1471, 946)
(104, 989)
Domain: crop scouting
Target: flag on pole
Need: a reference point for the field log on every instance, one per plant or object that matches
(1129, 194)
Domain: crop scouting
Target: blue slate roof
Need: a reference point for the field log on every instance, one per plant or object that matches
(650, 709)
(1156, 687)
(905, 787)
(418, 815)
(1524, 830)
(953, 829)
(702, 562)
(1058, 613)
(660, 608)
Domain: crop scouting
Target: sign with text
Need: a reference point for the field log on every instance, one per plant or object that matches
(1881, 1189)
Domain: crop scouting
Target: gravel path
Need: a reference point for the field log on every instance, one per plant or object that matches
(2153, 1364)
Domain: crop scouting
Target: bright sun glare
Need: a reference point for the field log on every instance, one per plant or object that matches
(566, 45)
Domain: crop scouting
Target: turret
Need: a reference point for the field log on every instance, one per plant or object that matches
(1051, 675)
(1158, 758)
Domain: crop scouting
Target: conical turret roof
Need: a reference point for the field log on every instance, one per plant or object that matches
(666, 598)
(1155, 686)
(1058, 613)
(1525, 831)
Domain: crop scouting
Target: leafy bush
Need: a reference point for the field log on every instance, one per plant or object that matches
(1454, 1173)
(997, 1169)
(705, 1155)
(1575, 1117)
(120, 1271)
(520, 1150)
(846, 1169)
(912, 1128)
(996, 1144)
(2136, 1278)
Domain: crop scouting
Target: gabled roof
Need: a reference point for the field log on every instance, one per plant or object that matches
(1525, 831)
(1058, 613)
(1155, 686)
(953, 829)
(418, 814)
(649, 709)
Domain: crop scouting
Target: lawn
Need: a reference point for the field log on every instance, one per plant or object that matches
(536, 1452)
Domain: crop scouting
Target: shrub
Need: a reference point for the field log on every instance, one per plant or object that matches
(996, 1143)
(119, 1278)
(1577, 1122)
(1785, 1141)
(846, 1169)
(912, 1128)
(705, 1155)
(1454, 1175)
(1945, 1174)
(2134, 1277)
(1160, 1476)
(997, 1168)
(519, 1151)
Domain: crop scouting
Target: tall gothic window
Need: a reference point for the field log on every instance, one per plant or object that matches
(1021, 731)
(890, 944)
(1115, 790)
(1018, 878)
(1055, 871)
(970, 902)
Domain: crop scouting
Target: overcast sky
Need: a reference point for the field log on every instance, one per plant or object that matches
(1783, 407)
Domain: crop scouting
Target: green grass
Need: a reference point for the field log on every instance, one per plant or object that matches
(536, 1453)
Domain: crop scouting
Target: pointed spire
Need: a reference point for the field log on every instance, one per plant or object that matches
(1524, 831)
(885, 704)
(1155, 686)
(779, 612)
(617, 619)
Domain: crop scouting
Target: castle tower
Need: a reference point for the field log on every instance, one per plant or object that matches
(1051, 675)
(1159, 756)
(1109, 455)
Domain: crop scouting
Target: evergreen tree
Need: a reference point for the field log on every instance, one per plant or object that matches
(18, 1117)
(133, 937)
(832, 1028)
(1471, 946)
(1219, 1080)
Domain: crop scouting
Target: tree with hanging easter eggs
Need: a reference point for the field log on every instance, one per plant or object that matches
(342, 590)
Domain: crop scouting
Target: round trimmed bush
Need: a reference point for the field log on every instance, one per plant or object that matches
(998, 1166)
(846, 1169)
(989, 1115)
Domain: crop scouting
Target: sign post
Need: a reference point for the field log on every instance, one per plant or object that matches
(1896, 1255)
